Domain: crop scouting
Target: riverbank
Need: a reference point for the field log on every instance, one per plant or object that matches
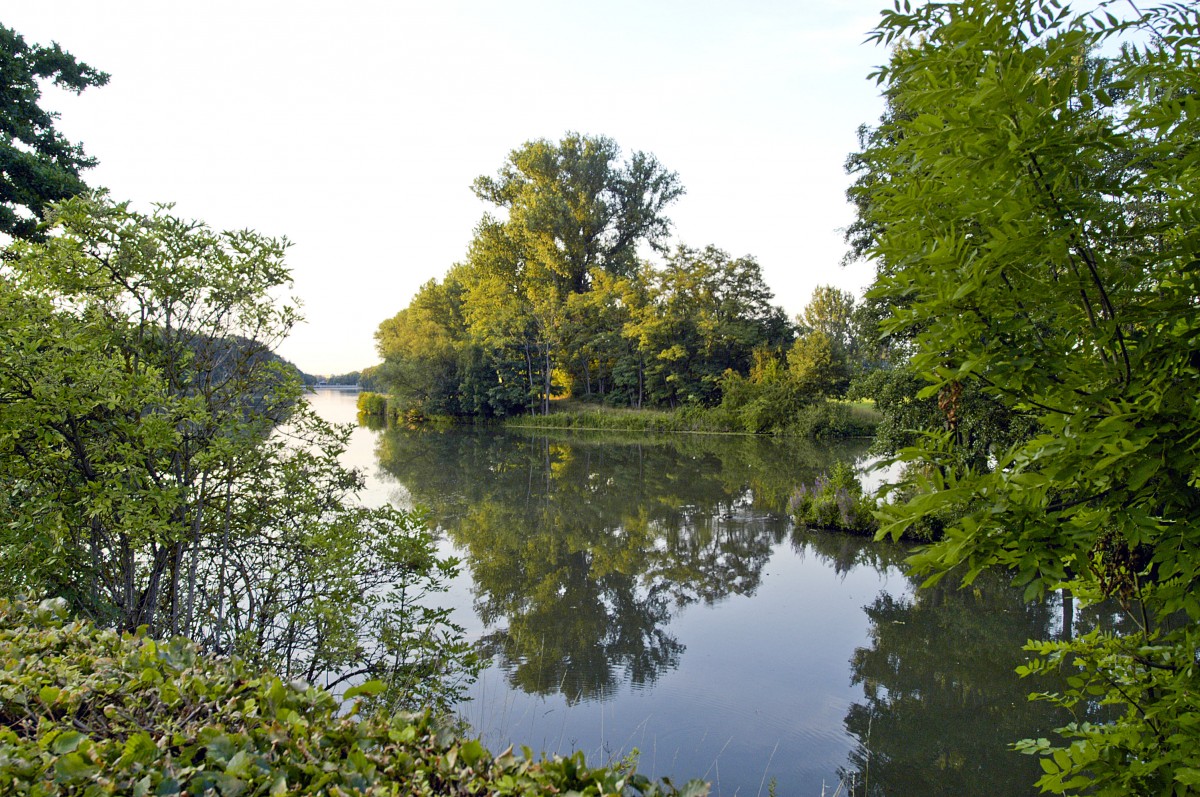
(830, 418)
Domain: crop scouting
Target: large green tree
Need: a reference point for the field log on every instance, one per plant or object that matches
(706, 314)
(571, 208)
(572, 205)
(38, 165)
(1033, 211)
(160, 468)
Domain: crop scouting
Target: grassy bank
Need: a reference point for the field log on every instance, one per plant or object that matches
(826, 419)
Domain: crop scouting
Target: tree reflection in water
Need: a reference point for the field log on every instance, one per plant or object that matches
(941, 699)
(581, 549)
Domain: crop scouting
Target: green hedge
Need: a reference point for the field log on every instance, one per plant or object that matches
(84, 711)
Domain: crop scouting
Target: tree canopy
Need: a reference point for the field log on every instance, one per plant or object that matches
(38, 165)
(573, 207)
(1031, 202)
(553, 298)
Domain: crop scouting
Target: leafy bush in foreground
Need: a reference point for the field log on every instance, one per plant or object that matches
(89, 711)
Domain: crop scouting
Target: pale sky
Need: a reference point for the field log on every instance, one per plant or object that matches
(356, 128)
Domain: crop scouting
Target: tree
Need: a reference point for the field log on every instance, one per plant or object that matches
(1032, 209)
(421, 346)
(830, 311)
(37, 163)
(160, 468)
(707, 313)
(572, 209)
(816, 365)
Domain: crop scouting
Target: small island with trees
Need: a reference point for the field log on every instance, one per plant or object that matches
(555, 301)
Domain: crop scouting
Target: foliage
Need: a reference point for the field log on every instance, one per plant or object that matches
(980, 423)
(706, 314)
(832, 319)
(373, 406)
(88, 711)
(822, 419)
(1032, 209)
(349, 378)
(570, 414)
(161, 469)
(832, 418)
(552, 300)
(817, 364)
(834, 501)
(38, 164)
(572, 210)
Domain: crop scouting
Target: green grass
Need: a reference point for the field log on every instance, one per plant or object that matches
(829, 419)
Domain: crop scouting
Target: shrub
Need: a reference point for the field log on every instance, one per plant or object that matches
(832, 418)
(834, 501)
(89, 711)
(373, 406)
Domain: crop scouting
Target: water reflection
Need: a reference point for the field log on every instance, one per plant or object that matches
(581, 550)
(650, 593)
(941, 703)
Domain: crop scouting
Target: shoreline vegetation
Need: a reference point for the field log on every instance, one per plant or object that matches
(94, 711)
(1029, 343)
(830, 418)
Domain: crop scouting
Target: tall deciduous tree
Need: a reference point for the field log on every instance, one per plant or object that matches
(38, 165)
(831, 312)
(573, 206)
(1034, 214)
(709, 313)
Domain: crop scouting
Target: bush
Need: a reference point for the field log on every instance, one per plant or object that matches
(373, 406)
(832, 418)
(834, 501)
(88, 711)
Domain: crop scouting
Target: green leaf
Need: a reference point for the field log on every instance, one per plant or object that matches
(71, 768)
(369, 688)
(67, 742)
(471, 752)
(1189, 776)
(167, 786)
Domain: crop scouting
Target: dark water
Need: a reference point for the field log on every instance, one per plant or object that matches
(649, 593)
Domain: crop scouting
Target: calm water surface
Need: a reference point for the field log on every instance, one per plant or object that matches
(650, 593)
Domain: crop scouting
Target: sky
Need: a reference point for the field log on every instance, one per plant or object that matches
(356, 128)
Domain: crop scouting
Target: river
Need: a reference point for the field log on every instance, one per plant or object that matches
(650, 594)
